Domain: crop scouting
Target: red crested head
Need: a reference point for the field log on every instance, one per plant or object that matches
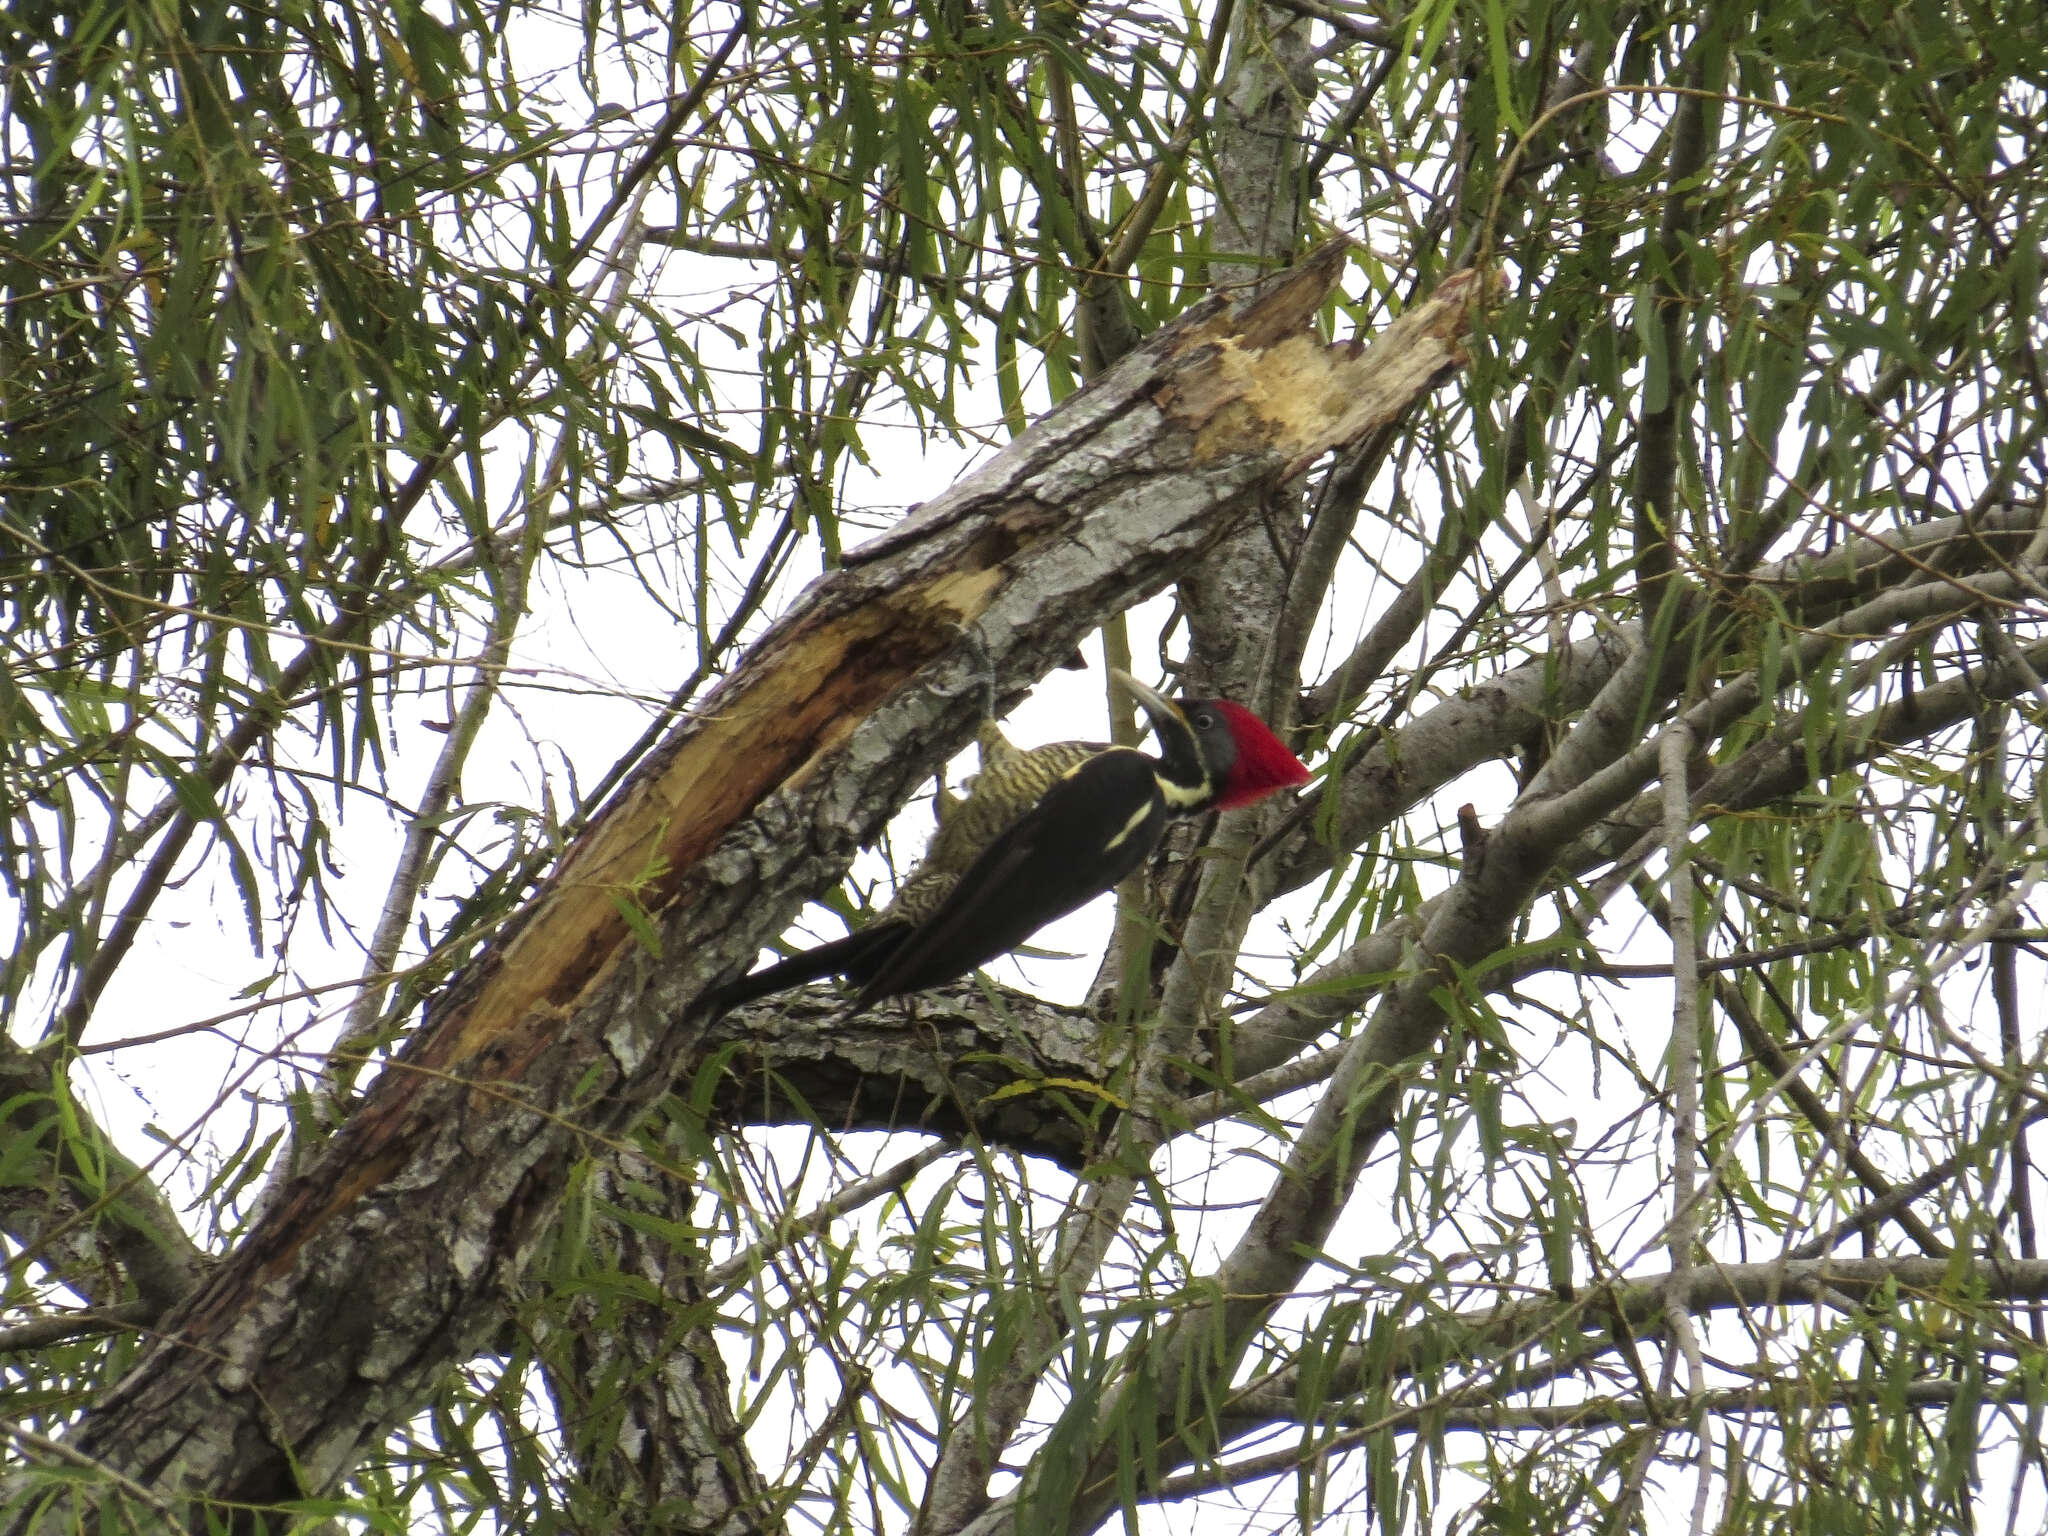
(1214, 754)
(1261, 762)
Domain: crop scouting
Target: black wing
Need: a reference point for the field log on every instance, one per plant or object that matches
(858, 955)
(1084, 835)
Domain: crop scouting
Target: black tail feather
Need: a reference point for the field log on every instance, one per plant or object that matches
(857, 956)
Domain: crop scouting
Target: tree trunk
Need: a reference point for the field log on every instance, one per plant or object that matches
(385, 1264)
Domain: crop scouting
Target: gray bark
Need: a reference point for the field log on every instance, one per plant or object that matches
(640, 1390)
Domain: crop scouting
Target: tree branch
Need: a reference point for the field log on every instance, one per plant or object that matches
(432, 1194)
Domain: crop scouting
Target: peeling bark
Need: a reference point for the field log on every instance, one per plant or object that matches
(385, 1262)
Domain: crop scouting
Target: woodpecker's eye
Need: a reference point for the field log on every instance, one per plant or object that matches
(1205, 721)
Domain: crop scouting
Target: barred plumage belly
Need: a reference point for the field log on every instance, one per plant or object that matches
(1011, 782)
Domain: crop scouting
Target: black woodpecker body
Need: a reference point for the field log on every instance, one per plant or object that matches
(1042, 832)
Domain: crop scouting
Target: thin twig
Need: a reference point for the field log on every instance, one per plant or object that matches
(28, 1439)
(1682, 1232)
(43, 1331)
(747, 1263)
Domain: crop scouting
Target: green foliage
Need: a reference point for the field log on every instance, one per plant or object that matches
(315, 388)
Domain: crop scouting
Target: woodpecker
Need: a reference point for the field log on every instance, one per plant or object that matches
(1040, 833)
